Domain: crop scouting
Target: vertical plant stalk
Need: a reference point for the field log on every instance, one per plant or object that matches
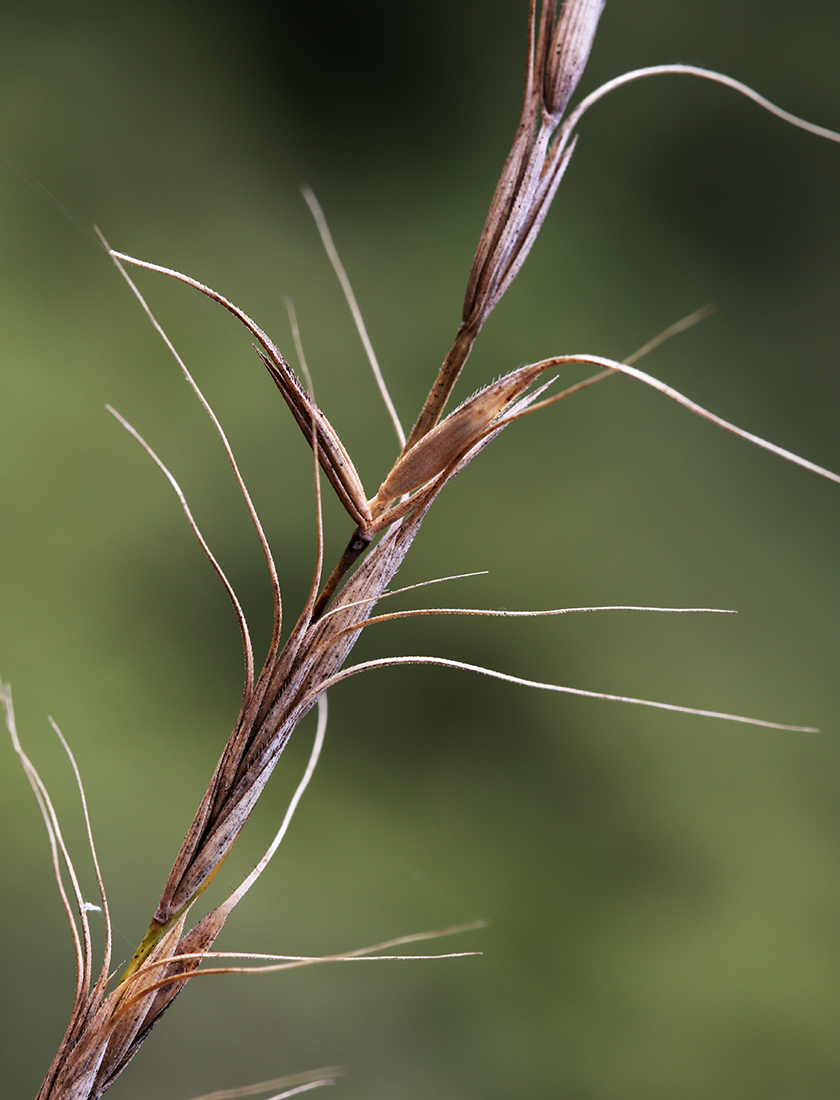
(106, 1029)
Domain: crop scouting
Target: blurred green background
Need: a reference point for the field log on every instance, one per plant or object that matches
(662, 890)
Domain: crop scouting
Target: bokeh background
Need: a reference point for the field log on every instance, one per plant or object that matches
(661, 890)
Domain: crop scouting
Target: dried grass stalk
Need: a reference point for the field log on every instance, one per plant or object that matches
(106, 1029)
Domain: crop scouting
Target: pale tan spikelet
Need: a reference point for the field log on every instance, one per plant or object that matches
(529, 179)
(453, 437)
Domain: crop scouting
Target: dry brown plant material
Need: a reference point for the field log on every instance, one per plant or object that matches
(106, 1028)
